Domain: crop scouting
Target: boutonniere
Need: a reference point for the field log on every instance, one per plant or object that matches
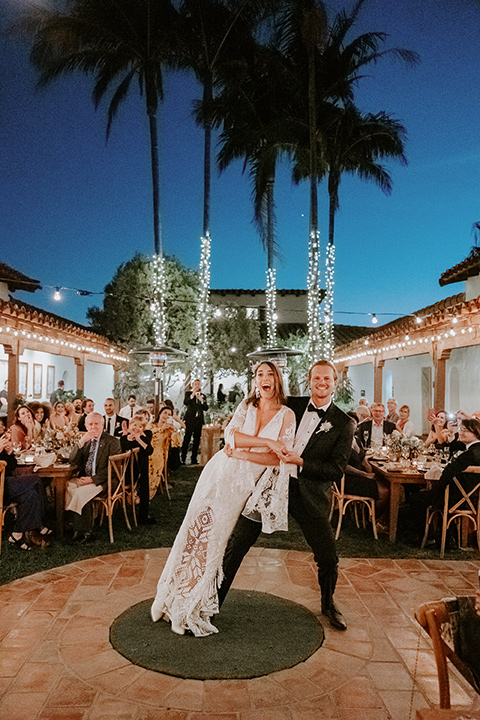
(324, 427)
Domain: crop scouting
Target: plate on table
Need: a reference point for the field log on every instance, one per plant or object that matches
(394, 466)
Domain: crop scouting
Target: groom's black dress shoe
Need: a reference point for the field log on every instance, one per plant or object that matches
(335, 617)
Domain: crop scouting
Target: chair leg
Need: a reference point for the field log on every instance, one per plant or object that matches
(355, 513)
(124, 503)
(428, 520)
(444, 534)
(373, 519)
(341, 511)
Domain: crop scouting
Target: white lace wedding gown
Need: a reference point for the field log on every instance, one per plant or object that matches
(187, 589)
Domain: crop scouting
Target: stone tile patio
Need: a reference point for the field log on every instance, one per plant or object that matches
(56, 662)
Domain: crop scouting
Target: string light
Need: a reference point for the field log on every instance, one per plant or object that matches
(201, 350)
(56, 295)
(271, 306)
(157, 306)
(313, 296)
(374, 319)
(327, 330)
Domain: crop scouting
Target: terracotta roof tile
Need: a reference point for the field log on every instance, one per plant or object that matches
(17, 280)
(462, 270)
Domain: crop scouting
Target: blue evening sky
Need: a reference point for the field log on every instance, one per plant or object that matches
(73, 208)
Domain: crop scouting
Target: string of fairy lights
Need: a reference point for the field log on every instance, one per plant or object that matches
(157, 307)
(313, 295)
(203, 313)
(327, 329)
(271, 307)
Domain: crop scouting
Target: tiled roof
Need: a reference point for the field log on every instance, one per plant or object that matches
(463, 270)
(17, 280)
(342, 333)
(431, 314)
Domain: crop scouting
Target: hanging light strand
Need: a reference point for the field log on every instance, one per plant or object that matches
(201, 350)
(327, 330)
(271, 303)
(313, 298)
(158, 303)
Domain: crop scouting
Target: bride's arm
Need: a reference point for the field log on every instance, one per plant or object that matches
(259, 458)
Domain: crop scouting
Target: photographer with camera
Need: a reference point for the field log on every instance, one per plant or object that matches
(196, 404)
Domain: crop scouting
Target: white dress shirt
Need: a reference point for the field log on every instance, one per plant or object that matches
(305, 430)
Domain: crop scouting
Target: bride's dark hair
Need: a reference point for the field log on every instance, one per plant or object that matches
(279, 395)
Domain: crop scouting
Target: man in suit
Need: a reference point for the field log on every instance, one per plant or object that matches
(371, 432)
(196, 405)
(321, 450)
(129, 410)
(90, 462)
(113, 422)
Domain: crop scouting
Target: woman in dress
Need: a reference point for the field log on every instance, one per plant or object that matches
(136, 436)
(404, 425)
(58, 418)
(246, 476)
(162, 433)
(23, 430)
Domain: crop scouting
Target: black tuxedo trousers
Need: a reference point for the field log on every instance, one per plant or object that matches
(318, 534)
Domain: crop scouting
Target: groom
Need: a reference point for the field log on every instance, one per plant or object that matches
(323, 441)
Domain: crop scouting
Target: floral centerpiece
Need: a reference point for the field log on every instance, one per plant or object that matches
(62, 441)
(399, 445)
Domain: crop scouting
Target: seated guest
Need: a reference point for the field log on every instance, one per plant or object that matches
(90, 462)
(362, 412)
(221, 397)
(441, 436)
(71, 414)
(41, 412)
(364, 401)
(150, 406)
(138, 437)
(359, 477)
(393, 415)
(177, 420)
(371, 432)
(58, 418)
(469, 434)
(129, 410)
(88, 407)
(23, 430)
(27, 492)
(404, 425)
(113, 422)
(38, 412)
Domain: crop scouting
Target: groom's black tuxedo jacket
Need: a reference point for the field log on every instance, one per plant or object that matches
(325, 456)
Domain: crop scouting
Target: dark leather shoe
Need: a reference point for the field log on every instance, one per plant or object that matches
(87, 537)
(335, 617)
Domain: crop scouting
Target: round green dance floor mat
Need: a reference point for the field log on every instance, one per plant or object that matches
(258, 634)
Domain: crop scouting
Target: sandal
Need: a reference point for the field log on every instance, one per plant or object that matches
(19, 543)
(45, 531)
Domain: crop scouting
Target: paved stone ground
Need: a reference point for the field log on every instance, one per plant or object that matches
(56, 662)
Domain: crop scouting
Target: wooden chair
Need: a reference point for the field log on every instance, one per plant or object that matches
(466, 509)
(131, 487)
(440, 619)
(3, 510)
(341, 500)
(116, 489)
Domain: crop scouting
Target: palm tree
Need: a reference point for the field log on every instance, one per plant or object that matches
(334, 69)
(117, 42)
(251, 110)
(217, 36)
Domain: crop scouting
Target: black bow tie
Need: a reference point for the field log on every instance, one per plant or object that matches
(320, 412)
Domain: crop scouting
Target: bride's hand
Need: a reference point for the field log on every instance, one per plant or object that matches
(228, 450)
(276, 447)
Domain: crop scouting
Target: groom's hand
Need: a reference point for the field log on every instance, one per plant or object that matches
(291, 457)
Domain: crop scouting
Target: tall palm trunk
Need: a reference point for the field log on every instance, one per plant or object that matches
(158, 269)
(207, 154)
(271, 293)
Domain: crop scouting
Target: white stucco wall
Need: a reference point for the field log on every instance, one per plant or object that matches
(64, 370)
(362, 380)
(99, 381)
(462, 382)
(406, 383)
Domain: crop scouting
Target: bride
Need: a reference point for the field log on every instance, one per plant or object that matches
(246, 476)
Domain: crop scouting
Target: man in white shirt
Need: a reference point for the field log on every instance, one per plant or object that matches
(129, 410)
(113, 422)
(371, 432)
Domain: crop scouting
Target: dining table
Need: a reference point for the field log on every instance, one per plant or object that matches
(58, 474)
(396, 476)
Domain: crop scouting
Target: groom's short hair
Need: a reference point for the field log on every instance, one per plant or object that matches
(321, 363)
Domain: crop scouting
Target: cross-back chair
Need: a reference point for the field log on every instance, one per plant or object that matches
(451, 623)
(116, 489)
(466, 509)
(341, 500)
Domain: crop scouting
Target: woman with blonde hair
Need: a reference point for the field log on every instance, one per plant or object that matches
(404, 425)
(233, 482)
